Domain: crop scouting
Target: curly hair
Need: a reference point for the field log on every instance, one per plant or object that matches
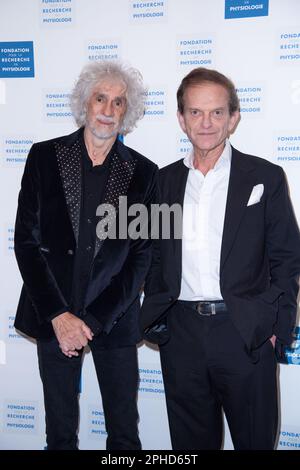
(94, 73)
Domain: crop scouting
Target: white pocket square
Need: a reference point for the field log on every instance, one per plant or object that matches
(256, 194)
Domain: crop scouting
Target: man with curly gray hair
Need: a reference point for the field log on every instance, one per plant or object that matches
(96, 72)
(80, 289)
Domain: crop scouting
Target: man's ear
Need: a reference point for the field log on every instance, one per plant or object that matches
(234, 120)
(181, 121)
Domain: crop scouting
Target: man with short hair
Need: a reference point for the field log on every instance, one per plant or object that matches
(222, 299)
(78, 288)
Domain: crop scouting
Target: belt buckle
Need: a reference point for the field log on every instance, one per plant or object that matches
(212, 308)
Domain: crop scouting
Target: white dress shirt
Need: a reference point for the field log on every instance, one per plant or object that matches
(203, 219)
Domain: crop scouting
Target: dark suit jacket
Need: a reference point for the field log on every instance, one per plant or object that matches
(46, 236)
(260, 255)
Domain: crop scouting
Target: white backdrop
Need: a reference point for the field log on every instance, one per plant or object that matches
(43, 46)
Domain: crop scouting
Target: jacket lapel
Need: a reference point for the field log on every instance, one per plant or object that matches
(69, 164)
(179, 181)
(121, 171)
(122, 165)
(239, 190)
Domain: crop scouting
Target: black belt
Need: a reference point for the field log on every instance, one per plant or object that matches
(204, 307)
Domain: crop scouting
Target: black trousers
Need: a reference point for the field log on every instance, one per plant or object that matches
(117, 373)
(206, 369)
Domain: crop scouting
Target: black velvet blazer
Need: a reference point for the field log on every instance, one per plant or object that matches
(46, 235)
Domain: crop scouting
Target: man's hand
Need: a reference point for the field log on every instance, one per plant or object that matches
(71, 332)
(273, 340)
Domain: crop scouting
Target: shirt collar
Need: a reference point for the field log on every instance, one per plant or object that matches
(223, 161)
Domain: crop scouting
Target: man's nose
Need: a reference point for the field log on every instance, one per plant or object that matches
(108, 109)
(206, 121)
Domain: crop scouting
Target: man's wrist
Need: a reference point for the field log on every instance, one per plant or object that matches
(59, 312)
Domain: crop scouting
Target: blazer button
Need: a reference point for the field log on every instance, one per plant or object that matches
(171, 299)
(70, 252)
